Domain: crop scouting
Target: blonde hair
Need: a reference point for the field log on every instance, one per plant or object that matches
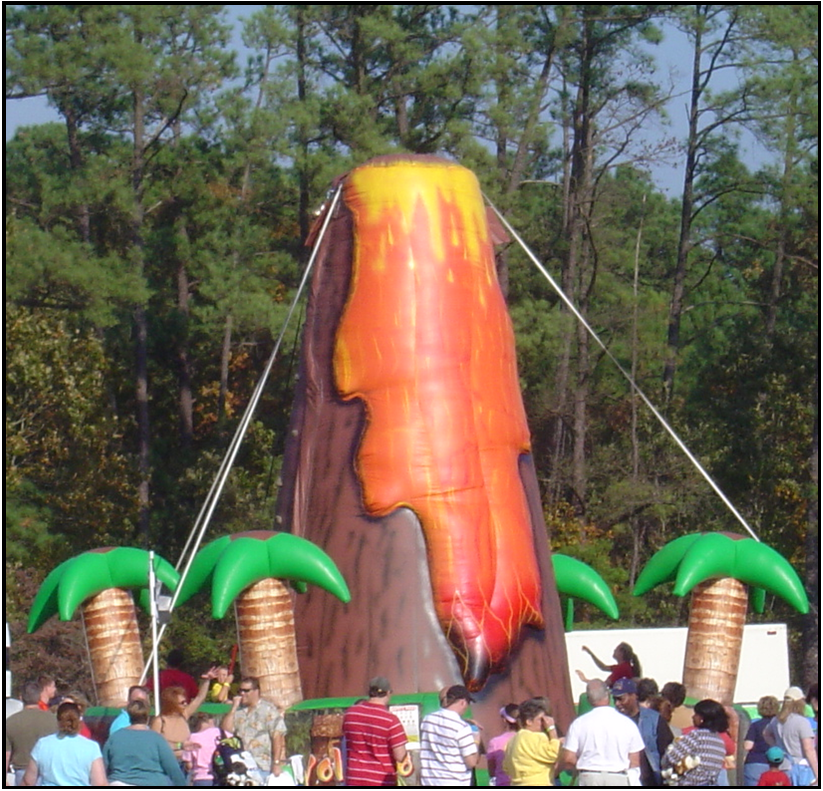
(768, 706)
(791, 707)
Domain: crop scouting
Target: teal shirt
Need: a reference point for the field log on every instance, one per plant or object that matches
(142, 758)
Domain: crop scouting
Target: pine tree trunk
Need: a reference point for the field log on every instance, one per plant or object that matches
(268, 649)
(225, 361)
(684, 243)
(716, 620)
(113, 637)
(811, 621)
(141, 323)
(186, 397)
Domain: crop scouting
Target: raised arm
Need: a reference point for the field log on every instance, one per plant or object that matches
(223, 693)
(228, 719)
(600, 665)
(203, 690)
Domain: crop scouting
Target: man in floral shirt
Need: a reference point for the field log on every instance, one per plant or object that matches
(261, 727)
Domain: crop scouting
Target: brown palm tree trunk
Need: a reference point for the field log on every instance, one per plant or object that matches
(716, 620)
(268, 649)
(113, 639)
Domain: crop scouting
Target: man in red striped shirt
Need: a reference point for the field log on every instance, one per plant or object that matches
(375, 739)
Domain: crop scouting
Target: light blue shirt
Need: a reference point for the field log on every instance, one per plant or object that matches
(120, 721)
(65, 760)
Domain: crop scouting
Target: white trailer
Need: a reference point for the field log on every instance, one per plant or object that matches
(764, 658)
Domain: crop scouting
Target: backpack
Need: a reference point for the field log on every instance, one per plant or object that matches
(232, 765)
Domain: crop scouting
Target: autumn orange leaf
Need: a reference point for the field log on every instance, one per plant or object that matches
(426, 342)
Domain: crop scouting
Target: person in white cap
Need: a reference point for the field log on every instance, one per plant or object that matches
(792, 732)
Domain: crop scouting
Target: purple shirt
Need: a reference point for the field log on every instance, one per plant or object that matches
(494, 755)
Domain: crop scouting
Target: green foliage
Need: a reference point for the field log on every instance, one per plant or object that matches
(171, 192)
(58, 648)
(68, 482)
(26, 522)
(205, 641)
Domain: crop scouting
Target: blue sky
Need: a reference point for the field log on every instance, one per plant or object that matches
(673, 57)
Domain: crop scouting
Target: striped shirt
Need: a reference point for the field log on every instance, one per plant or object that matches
(703, 744)
(445, 739)
(371, 732)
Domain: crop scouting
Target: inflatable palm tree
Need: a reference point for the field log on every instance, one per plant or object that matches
(578, 580)
(250, 568)
(101, 580)
(715, 568)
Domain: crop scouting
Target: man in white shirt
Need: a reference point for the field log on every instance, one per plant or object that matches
(603, 745)
(448, 744)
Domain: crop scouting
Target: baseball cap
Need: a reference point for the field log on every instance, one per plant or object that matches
(623, 686)
(458, 692)
(794, 693)
(379, 686)
(774, 755)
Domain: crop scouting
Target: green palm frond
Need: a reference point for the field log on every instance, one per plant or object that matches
(233, 563)
(692, 559)
(579, 580)
(75, 580)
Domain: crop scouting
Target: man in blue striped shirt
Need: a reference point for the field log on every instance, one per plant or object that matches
(448, 744)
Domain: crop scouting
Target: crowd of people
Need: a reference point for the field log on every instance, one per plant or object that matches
(632, 734)
(47, 742)
(647, 738)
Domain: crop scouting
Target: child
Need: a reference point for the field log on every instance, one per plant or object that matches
(220, 689)
(205, 733)
(774, 777)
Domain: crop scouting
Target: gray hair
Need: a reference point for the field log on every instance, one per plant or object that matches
(30, 693)
(597, 691)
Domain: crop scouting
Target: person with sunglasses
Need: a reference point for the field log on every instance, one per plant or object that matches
(260, 725)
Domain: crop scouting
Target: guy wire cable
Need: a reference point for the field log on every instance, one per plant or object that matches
(622, 370)
(216, 490)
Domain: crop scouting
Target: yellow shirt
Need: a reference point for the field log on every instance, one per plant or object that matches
(530, 759)
(215, 690)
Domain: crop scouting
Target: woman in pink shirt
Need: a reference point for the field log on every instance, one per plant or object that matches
(205, 734)
(496, 750)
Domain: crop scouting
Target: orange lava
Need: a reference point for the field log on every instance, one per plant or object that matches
(426, 342)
